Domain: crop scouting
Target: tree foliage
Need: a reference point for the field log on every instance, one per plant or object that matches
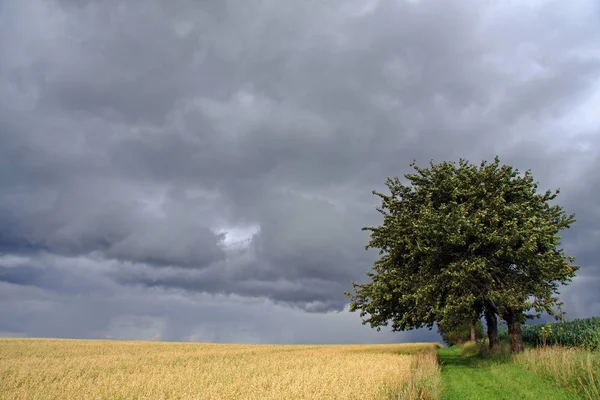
(459, 239)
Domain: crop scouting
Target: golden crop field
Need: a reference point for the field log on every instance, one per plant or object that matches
(90, 369)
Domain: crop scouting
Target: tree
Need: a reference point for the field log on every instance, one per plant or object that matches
(460, 331)
(459, 240)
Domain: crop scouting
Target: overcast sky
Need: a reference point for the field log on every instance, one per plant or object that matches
(201, 170)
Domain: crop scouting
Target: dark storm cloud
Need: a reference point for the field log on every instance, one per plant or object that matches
(301, 264)
(229, 149)
(102, 309)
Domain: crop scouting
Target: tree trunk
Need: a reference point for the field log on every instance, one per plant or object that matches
(492, 328)
(473, 334)
(515, 334)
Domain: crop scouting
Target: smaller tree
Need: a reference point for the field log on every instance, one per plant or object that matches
(454, 333)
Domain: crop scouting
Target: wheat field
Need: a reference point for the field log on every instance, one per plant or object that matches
(98, 369)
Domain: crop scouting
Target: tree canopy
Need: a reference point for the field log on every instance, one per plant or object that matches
(461, 239)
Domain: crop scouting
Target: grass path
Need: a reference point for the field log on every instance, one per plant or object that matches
(471, 377)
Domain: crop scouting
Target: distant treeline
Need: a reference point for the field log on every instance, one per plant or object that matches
(577, 333)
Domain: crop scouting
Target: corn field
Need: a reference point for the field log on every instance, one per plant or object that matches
(577, 333)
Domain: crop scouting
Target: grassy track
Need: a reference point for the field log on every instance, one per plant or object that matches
(467, 376)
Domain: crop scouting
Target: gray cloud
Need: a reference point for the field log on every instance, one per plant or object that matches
(221, 155)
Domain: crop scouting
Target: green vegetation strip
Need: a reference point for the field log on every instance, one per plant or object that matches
(583, 333)
(466, 376)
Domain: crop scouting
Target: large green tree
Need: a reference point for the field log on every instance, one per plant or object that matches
(464, 239)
